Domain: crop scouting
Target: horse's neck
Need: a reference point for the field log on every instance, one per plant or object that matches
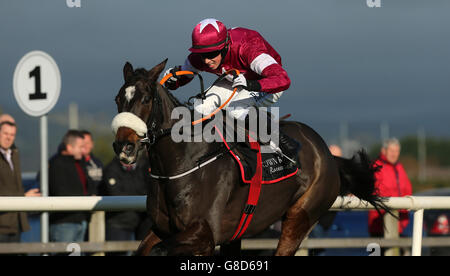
(167, 107)
(168, 156)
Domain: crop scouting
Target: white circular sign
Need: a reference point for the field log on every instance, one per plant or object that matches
(37, 83)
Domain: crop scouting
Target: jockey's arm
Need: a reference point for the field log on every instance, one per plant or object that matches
(184, 79)
(274, 78)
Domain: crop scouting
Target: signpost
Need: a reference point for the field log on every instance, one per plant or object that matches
(37, 85)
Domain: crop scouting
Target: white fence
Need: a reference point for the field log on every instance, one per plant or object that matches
(138, 203)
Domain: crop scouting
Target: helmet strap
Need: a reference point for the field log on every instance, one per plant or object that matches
(224, 50)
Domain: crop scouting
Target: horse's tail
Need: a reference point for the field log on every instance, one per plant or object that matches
(358, 178)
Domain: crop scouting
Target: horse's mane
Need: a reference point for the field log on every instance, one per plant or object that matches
(141, 72)
(174, 99)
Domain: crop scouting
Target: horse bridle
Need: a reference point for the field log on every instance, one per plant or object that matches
(153, 134)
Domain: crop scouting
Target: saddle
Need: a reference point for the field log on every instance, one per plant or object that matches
(275, 166)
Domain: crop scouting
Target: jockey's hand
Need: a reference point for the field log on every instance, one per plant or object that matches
(249, 85)
(172, 80)
(240, 81)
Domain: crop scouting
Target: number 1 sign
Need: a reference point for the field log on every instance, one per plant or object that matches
(37, 83)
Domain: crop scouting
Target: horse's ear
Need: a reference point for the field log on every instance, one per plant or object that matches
(156, 71)
(127, 71)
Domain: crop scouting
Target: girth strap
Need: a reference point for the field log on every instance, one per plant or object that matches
(253, 194)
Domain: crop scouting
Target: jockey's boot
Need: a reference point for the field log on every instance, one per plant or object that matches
(289, 147)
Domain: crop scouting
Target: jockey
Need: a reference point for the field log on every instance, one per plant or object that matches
(261, 81)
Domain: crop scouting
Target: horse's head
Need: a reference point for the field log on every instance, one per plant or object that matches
(134, 104)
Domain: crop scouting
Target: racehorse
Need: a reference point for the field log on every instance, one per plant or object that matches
(194, 213)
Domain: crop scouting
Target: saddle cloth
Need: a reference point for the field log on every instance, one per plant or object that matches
(275, 167)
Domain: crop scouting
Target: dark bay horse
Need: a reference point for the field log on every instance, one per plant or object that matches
(194, 213)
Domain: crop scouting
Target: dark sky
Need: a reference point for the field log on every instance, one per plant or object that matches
(347, 62)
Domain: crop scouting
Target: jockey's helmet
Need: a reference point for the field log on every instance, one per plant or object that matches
(209, 35)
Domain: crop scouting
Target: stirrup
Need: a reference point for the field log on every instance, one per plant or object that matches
(289, 147)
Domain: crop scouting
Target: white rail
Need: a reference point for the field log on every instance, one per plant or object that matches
(73, 203)
(138, 203)
(397, 203)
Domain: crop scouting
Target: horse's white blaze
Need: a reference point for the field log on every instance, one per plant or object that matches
(129, 93)
(127, 119)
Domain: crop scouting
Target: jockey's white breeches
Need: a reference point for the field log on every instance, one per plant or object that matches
(238, 105)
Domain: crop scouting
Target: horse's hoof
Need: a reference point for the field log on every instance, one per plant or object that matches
(159, 250)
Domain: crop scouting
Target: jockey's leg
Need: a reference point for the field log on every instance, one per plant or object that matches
(280, 142)
(215, 97)
(239, 107)
(288, 146)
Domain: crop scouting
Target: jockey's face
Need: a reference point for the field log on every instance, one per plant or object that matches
(212, 59)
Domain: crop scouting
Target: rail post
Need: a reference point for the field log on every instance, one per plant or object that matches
(417, 233)
(97, 229)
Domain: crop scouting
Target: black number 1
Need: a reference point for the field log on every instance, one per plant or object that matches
(38, 94)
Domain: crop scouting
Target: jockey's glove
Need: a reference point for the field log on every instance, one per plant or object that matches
(249, 85)
(172, 80)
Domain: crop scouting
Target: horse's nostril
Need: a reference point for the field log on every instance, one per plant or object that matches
(126, 148)
(129, 148)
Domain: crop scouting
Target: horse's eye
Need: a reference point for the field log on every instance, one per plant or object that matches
(147, 99)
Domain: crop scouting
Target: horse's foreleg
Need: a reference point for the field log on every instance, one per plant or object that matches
(231, 249)
(147, 244)
(196, 240)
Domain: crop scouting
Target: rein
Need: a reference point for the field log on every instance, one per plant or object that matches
(153, 135)
(202, 94)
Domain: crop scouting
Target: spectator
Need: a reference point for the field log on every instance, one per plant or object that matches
(391, 181)
(94, 166)
(7, 118)
(68, 177)
(335, 150)
(119, 180)
(11, 223)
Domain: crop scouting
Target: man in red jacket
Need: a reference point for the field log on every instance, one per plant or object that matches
(392, 181)
(216, 49)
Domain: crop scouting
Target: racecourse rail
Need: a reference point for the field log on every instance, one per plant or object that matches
(138, 203)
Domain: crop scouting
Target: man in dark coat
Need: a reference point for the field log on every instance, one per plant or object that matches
(121, 180)
(94, 166)
(68, 177)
